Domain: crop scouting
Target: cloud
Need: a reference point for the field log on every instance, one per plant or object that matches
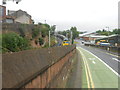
(85, 14)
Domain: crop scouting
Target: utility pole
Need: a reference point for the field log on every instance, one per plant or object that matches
(71, 37)
(108, 34)
(49, 38)
(45, 21)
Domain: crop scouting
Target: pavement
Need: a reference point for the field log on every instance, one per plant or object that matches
(75, 79)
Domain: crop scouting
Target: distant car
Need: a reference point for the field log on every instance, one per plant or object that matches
(82, 42)
(104, 44)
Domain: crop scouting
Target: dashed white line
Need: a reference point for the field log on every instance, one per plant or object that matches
(93, 62)
(116, 59)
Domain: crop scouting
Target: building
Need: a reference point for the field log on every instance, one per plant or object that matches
(21, 17)
(90, 37)
(11, 12)
(3, 17)
(14, 16)
(8, 19)
(2, 13)
(114, 40)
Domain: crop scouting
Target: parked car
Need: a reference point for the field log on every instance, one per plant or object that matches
(105, 44)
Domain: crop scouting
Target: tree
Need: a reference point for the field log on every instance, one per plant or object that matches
(35, 32)
(116, 31)
(52, 29)
(44, 30)
(13, 42)
(41, 41)
(74, 32)
(104, 32)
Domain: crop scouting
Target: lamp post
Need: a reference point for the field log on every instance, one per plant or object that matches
(55, 33)
(45, 21)
(49, 38)
(108, 34)
(71, 36)
(4, 1)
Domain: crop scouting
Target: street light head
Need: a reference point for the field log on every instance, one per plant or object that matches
(4, 2)
(17, 1)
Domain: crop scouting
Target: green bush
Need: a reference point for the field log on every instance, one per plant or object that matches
(35, 32)
(41, 41)
(13, 42)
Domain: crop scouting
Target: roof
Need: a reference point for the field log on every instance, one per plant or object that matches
(84, 34)
(98, 36)
(114, 35)
(2, 6)
(10, 17)
(20, 13)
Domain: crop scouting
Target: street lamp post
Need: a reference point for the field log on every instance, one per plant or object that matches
(49, 38)
(108, 34)
(4, 1)
(71, 36)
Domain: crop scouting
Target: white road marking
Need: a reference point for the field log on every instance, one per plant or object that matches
(102, 62)
(92, 59)
(93, 62)
(116, 59)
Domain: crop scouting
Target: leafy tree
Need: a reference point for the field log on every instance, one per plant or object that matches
(74, 32)
(116, 31)
(52, 29)
(22, 33)
(13, 42)
(105, 32)
(35, 32)
(67, 33)
(41, 41)
(45, 30)
(39, 23)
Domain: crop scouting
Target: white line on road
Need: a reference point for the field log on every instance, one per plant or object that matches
(116, 59)
(93, 62)
(92, 59)
(102, 62)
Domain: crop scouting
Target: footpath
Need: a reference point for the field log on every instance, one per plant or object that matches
(75, 79)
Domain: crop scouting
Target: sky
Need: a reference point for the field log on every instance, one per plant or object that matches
(86, 15)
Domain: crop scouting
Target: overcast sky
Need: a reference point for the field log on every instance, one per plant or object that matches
(86, 15)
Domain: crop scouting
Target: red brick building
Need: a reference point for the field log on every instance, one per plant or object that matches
(2, 12)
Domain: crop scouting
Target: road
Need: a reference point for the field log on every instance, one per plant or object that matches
(99, 67)
(59, 42)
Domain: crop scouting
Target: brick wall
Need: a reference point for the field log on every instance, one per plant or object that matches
(54, 76)
(43, 68)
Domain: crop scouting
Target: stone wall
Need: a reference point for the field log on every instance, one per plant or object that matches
(21, 29)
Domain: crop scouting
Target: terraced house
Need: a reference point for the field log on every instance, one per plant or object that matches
(21, 17)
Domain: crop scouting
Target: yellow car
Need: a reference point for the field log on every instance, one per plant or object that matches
(65, 43)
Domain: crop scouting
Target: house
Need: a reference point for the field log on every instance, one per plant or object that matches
(21, 17)
(3, 17)
(14, 16)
